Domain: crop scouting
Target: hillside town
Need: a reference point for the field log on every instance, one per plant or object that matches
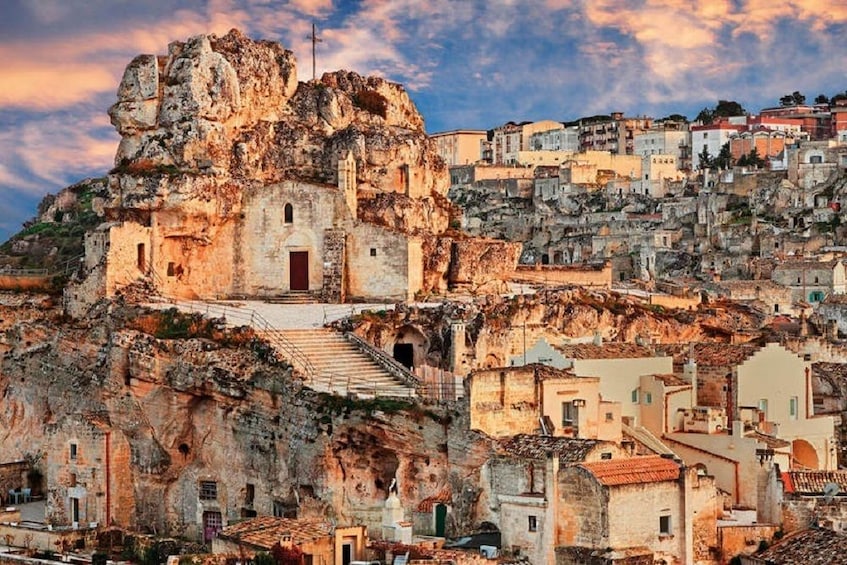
(291, 327)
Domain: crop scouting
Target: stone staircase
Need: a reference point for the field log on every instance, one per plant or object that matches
(294, 297)
(338, 366)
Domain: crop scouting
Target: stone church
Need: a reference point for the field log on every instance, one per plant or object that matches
(233, 180)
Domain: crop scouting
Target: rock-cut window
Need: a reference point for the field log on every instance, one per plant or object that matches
(288, 213)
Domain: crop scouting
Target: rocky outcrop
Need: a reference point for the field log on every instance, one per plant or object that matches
(212, 405)
(231, 106)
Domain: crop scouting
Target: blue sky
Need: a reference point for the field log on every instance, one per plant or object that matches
(466, 63)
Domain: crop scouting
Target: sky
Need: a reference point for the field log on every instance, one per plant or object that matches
(466, 63)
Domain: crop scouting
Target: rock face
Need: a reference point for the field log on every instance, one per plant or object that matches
(154, 417)
(232, 106)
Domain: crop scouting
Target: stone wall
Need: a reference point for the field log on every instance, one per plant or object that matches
(579, 275)
(380, 264)
(801, 513)
(581, 518)
(334, 288)
(13, 475)
(503, 402)
(743, 540)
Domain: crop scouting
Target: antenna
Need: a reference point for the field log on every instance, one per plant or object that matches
(315, 40)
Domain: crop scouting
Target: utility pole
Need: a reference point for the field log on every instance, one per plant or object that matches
(315, 40)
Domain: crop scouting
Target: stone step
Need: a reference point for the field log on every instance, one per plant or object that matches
(339, 366)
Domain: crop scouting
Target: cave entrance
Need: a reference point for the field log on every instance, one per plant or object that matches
(299, 270)
(404, 353)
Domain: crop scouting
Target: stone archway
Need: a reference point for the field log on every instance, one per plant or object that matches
(803, 455)
(410, 346)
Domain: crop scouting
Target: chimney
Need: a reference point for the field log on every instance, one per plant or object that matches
(689, 373)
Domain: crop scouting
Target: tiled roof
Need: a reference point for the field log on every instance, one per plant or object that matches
(817, 546)
(813, 482)
(569, 450)
(612, 350)
(633, 470)
(709, 354)
(671, 380)
(266, 531)
(444, 496)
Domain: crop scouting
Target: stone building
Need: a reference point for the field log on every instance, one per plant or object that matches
(522, 482)
(525, 400)
(88, 474)
(811, 281)
(676, 520)
(320, 541)
(257, 185)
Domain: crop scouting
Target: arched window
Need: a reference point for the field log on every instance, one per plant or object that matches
(288, 213)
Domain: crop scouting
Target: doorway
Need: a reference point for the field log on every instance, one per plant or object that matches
(440, 520)
(404, 353)
(299, 270)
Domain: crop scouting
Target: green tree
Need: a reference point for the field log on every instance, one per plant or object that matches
(821, 99)
(705, 159)
(724, 159)
(723, 109)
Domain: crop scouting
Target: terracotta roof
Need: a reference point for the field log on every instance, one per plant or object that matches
(818, 546)
(266, 531)
(612, 350)
(444, 496)
(813, 482)
(671, 380)
(569, 450)
(634, 470)
(707, 354)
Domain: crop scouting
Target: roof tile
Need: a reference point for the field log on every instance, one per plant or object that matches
(634, 470)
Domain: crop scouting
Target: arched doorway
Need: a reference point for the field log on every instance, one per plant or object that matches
(410, 347)
(803, 455)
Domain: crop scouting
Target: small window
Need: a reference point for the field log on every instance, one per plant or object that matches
(635, 396)
(665, 525)
(610, 417)
(73, 451)
(816, 280)
(793, 404)
(288, 213)
(648, 398)
(373, 251)
(605, 455)
(533, 523)
(776, 307)
(249, 494)
(171, 268)
(208, 490)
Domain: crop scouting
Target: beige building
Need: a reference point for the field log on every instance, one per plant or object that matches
(657, 172)
(619, 367)
(537, 398)
(522, 482)
(614, 133)
(459, 147)
(511, 138)
(636, 510)
(320, 542)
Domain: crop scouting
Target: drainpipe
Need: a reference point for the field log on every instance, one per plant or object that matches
(808, 388)
(108, 483)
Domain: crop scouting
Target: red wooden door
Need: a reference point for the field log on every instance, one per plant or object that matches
(299, 270)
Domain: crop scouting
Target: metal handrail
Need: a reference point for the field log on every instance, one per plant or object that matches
(384, 360)
(250, 316)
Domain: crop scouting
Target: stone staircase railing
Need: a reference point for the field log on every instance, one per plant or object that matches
(247, 317)
(385, 361)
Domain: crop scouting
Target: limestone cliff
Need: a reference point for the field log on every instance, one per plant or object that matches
(231, 108)
(183, 401)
